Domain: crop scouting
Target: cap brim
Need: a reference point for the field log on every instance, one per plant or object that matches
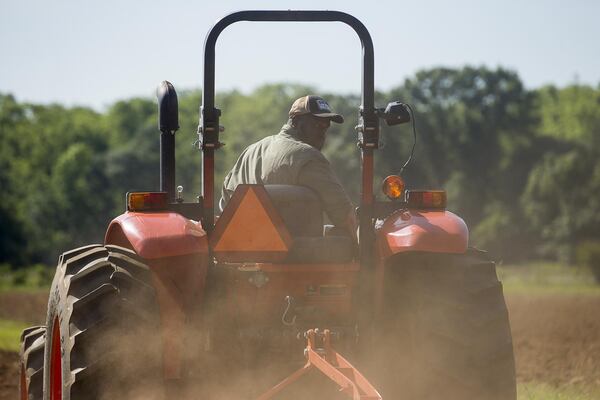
(337, 118)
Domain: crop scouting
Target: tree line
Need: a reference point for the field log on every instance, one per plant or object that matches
(519, 165)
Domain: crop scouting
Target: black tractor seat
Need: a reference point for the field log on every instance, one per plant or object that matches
(301, 211)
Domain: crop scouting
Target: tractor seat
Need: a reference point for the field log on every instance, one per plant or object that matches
(302, 214)
(299, 207)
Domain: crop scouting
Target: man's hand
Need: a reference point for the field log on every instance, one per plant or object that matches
(352, 225)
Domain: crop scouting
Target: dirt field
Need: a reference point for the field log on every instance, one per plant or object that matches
(24, 306)
(556, 338)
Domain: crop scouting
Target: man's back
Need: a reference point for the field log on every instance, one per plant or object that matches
(284, 159)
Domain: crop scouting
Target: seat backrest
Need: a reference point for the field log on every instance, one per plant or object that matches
(299, 207)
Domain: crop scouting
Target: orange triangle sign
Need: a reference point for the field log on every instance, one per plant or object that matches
(250, 228)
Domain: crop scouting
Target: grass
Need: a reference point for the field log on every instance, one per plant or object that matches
(10, 333)
(547, 277)
(27, 279)
(542, 391)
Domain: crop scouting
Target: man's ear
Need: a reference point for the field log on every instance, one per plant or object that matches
(299, 122)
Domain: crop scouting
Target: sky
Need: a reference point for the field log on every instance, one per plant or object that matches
(93, 53)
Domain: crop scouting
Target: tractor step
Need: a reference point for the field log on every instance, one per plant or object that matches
(321, 356)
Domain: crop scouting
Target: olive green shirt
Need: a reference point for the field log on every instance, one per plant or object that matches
(283, 159)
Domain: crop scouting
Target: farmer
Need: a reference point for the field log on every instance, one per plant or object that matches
(293, 157)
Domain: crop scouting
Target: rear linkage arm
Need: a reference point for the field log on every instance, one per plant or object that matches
(331, 364)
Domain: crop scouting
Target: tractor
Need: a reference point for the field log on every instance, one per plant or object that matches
(262, 301)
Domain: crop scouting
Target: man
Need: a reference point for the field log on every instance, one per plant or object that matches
(293, 157)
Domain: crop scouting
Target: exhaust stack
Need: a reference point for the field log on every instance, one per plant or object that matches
(168, 124)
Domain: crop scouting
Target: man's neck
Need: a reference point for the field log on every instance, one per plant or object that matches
(295, 134)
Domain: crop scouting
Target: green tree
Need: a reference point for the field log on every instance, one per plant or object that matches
(560, 200)
(520, 166)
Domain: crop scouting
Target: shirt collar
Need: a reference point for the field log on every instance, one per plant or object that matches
(290, 131)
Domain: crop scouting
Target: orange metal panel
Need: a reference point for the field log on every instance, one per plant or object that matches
(157, 234)
(257, 305)
(308, 268)
(420, 230)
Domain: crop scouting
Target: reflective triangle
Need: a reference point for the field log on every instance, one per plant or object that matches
(250, 224)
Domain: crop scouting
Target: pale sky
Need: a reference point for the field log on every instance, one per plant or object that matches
(95, 52)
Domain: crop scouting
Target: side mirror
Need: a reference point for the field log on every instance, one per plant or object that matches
(168, 109)
(396, 113)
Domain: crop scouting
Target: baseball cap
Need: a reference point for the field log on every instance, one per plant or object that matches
(316, 106)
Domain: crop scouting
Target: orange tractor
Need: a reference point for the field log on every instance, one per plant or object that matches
(262, 301)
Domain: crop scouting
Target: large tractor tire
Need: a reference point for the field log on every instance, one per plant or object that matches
(445, 332)
(103, 337)
(32, 363)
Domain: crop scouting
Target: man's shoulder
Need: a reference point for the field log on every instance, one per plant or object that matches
(289, 144)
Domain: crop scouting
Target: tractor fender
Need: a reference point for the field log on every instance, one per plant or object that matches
(436, 231)
(176, 251)
(157, 235)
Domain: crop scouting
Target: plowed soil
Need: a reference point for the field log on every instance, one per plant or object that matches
(23, 306)
(556, 338)
(9, 375)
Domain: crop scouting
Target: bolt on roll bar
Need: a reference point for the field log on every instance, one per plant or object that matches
(368, 120)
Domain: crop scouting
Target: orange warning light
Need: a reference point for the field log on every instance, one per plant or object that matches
(146, 201)
(393, 187)
(426, 199)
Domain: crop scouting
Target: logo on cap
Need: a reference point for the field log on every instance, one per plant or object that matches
(323, 106)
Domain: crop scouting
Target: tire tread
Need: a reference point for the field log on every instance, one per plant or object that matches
(32, 360)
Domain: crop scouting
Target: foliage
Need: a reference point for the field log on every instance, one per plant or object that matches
(588, 254)
(519, 165)
(31, 278)
(561, 200)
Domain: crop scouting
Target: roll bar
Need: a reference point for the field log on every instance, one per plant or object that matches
(368, 121)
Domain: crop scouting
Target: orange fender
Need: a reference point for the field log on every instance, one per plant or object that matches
(176, 251)
(422, 230)
(157, 235)
(433, 231)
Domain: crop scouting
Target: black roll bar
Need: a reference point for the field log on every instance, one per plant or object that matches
(368, 121)
(368, 86)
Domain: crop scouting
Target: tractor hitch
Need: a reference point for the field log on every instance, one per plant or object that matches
(321, 356)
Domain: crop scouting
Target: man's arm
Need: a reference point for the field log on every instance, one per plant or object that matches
(318, 175)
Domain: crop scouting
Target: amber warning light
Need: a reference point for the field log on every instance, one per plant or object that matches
(146, 201)
(435, 199)
(393, 187)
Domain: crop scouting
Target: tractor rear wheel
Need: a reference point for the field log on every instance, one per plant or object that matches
(103, 337)
(446, 333)
(32, 363)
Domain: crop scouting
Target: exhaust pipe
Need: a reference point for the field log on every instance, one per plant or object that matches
(168, 124)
